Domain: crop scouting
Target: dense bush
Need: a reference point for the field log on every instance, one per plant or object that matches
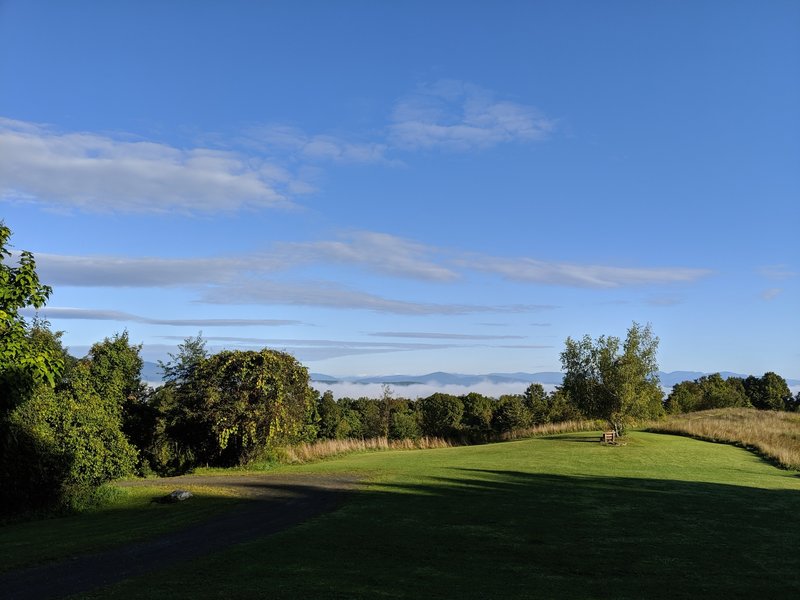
(440, 414)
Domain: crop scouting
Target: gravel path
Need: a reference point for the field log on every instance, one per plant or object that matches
(274, 503)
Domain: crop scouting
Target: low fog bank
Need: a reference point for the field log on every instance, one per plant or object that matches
(421, 390)
(345, 389)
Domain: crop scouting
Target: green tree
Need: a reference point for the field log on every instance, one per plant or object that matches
(707, 392)
(478, 413)
(330, 416)
(248, 401)
(548, 408)
(440, 414)
(404, 422)
(511, 413)
(618, 384)
(22, 363)
(63, 441)
(768, 392)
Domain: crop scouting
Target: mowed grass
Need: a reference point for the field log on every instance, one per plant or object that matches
(556, 517)
(776, 435)
(133, 514)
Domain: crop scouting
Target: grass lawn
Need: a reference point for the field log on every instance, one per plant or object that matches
(132, 515)
(558, 517)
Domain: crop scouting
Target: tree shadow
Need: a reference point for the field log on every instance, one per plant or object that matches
(480, 533)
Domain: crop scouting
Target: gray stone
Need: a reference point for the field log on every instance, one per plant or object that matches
(179, 496)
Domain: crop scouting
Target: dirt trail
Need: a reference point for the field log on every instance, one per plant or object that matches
(273, 503)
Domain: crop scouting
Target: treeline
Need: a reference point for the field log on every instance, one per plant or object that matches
(768, 392)
(68, 425)
(97, 421)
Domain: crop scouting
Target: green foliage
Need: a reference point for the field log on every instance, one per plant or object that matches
(707, 392)
(478, 413)
(606, 383)
(22, 363)
(511, 413)
(63, 443)
(768, 392)
(548, 408)
(404, 422)
(240, 403)
(330, 415)
(181, 368)
(440, 414)
(370, 418)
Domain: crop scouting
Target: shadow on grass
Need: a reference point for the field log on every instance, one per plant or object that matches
(490, 533)
(480, 533)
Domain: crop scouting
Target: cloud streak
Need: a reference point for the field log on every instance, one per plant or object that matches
(529, 270)
(285, 140)
(115, 315)
(455, 115)
(444, 336)
(97, 173)
(379, 252)
(333, 295)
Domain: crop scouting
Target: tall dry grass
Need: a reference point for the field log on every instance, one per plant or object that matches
(320, 449)
(302, 453)
(551, 429)
(775, 435)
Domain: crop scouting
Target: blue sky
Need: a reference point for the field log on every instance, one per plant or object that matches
(412, 186)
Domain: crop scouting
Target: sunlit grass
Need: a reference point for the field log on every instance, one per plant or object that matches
(561, 516)
(775, 435)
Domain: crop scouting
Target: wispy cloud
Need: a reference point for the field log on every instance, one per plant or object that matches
(379, 252)
(777, 272)
(314, 349)
(122, 271)
(333, 295)
(115, 315)
(93, 172)
(460, 116)
(293, 141)
(576, 275)
(443, 336)
(663, 300)
(771, 293)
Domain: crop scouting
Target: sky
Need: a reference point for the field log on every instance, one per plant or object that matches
(408, 187)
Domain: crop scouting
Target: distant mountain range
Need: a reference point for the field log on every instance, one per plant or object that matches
(151, 372)
(543, 377)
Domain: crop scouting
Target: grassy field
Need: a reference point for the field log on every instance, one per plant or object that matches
(133, 515)
(776, 435)
(558, 517)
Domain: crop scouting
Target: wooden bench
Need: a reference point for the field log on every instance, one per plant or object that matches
(608, 437)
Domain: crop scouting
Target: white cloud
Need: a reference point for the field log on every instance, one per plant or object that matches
(312, 350)
(771, 293)
(575, 275)
(115, 315)
(777, 272)
(325, 148)
(332, 295)
(380, 252)
(460, 116)
(99, 173)
(110, 271)
(444, 336)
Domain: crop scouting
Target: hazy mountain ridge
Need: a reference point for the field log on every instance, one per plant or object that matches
(668, 379)
(151, 372)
